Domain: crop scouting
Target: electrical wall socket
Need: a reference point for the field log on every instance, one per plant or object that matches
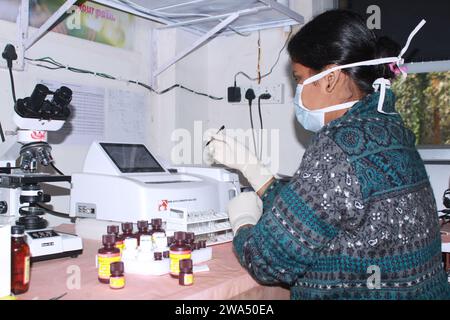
(275, 90)
(17, 64)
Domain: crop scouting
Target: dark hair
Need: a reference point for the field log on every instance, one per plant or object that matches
(342, 37)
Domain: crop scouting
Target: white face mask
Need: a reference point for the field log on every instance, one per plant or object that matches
(314, 120)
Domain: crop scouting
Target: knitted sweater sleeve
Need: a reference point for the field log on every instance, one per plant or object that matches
(302, 217)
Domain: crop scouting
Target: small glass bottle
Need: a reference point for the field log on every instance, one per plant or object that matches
(190, 238)
(186, 277)
(142, 226)
(127, 230)
(179, 250)
(157, 226)
(169, 241)
(117, 279)
(113, 229)
(145, 252)
(107, 255)
(130, 250)
(20, 261)
(157, 256)
(158, 234)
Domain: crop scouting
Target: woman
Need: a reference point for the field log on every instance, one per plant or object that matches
(358, 220)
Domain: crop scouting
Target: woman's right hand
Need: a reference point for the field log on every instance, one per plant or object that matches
(229, 152)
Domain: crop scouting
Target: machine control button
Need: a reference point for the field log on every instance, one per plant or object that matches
(42, 234)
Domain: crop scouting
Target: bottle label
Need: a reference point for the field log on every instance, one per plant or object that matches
(188, 279)
(120, 245)
(26, 270)
(159, 240)
(104, 262)
(175, 257)
(117, 282)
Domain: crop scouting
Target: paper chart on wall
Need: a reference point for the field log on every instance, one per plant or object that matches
(101, 114)
(126, 116)
(87, 120)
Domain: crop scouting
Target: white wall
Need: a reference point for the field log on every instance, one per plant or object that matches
(212, 69)
(83, 54)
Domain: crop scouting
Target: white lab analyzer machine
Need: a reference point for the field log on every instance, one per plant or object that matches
(124, 182)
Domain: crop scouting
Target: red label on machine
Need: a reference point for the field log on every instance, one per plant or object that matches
(163, 205)
(38, 135)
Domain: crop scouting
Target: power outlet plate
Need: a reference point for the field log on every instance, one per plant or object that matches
(275, 90)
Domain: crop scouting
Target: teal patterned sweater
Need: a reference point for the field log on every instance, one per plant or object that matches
(358, 220)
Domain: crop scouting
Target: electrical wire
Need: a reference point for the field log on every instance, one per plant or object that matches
(258, 68)
(273, 66)
(54, 213)
(56, 169)
(52, 64)
(261, 132)
(252, 125)
(13, 89)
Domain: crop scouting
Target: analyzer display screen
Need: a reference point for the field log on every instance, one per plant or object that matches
(131, 158)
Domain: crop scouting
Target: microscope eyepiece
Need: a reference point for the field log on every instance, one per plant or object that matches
(38, 96)
(62, 97)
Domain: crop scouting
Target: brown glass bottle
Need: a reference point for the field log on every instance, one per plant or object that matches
(158, 256)
(107, 255)
(142, 226)
(186, 277)
(117, 279)
(157, 226)
(179, 250)
(190, 238)
(127, 231)
(113, 229)
(20, 261)
(169, 241)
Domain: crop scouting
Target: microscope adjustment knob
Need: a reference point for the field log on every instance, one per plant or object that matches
(3, 207)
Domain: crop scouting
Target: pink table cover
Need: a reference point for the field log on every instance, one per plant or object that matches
(225, 280)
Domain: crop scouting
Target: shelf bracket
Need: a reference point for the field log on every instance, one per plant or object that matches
(45, 28)
(198, 43)
(285, 10)
(212, 18)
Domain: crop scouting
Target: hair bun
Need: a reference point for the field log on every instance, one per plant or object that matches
(386, 47)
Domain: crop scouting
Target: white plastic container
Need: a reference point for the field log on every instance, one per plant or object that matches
(141, 261)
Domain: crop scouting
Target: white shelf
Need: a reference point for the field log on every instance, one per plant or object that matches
(206, 18)
(218, 242)
(222, 217)
(200, 16)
